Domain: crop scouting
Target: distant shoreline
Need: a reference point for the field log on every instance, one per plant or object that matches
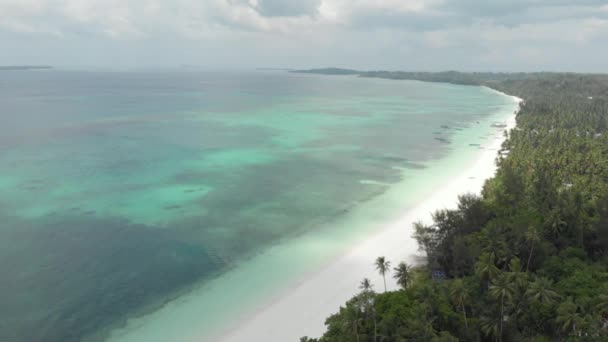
(337, 280)
(333, 281)
(24, 67)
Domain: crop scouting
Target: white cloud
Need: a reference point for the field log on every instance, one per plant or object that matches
(326, 32)
(141, 17)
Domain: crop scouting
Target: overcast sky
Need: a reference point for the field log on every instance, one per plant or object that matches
(505, 35)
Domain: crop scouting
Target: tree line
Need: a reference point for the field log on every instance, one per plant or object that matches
(528, 259)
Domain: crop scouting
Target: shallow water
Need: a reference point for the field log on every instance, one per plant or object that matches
(119, 191)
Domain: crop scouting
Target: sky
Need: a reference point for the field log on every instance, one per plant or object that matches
(432, 35)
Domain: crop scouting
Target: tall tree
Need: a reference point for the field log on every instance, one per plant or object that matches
(485, 268)
(517, 276)
(490, 326)
(460, 297)
(502, 289)
(402, 275)
(366, 285)
(426, 236)
(532, 238)
(541, 290)
(353, 321)
(383, 266)
(568, 316)
(493, 243)
(368, 301)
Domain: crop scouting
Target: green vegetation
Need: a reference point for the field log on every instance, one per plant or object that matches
(329, 71)
(383, 266)
(527, 260)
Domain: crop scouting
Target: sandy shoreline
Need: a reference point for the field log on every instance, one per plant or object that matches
(302, 311)
(288, 291)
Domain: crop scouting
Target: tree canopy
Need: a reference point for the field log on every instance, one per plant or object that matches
(526, 260)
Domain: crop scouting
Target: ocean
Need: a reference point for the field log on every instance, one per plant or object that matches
(125, 194)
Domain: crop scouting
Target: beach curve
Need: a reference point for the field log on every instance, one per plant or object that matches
(298, 306)
(307, 305)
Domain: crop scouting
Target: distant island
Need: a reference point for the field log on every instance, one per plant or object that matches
(330, 71)
(24, 67)
(489, 79)
(275, 69)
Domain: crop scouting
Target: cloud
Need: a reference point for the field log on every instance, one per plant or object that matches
(399, 34)
(131, 18)
(282, 8)
(495, 9)
(433, 15)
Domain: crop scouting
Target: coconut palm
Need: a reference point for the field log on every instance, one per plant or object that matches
(532, 237)
(540, 290)
(352, 320)
(485, 268)
(568, 316)
(554, 223)
(490, 326)
(383, 266)
(460, 297)
(502, 289)
(367, 297)
(516, 276)
(366, 285)
(520, 282)
(494, 244)
(602, 305)
(402, 274)
(367, 301)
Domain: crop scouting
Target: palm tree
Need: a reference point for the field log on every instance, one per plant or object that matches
(460, 297)
(368, 300)
(383, 266)
(352, 320)
(554, 223)
(568, 316)
(495, 245)
(517, 276)
(366, 285)
(540, 290)
(520, 282)
(502, 289)
(532, 237)
(490, 326)
(402, 274)
(485, 268)
(602, 305)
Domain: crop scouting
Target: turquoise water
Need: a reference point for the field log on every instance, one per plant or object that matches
(120, 191)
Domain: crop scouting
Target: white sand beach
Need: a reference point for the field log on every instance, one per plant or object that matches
(303, 310)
